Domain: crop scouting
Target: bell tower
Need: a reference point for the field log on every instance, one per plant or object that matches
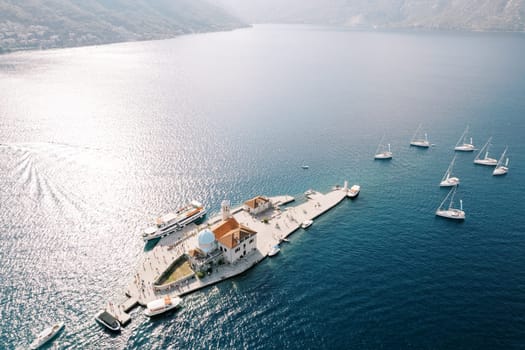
(225, 210)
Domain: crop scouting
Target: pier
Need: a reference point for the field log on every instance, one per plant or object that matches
(272, 227)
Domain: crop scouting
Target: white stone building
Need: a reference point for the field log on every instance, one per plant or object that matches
(257, 205)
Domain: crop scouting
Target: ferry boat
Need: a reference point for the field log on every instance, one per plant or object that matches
(108, 321)
(46, 335)
(306, 223)
(173, 221)
(353, 192)
(159, 306)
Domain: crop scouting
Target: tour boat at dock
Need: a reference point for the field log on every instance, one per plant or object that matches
(353, 191)
(160, 306)
(173, 221)
(46, 335)
(108, 321)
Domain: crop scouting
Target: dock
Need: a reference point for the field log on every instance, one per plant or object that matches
(272, 227)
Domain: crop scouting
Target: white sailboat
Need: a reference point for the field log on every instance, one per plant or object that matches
(462, 145)
(502, 169)
(419, 141)
(382, 152)
(451, 212)
(447, 179)
(485, 160)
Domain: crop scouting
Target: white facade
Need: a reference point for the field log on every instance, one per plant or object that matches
(257, 205)
(242, 249)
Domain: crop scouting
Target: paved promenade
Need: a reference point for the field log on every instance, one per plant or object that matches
(272, 227)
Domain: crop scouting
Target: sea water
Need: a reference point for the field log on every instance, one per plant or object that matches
(97, 141)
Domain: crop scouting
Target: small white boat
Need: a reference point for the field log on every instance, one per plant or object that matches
(485, 160)
(275, 249)
(46, 335)
(353, 192)
(159, 306)
(304, 166)
(418, 140)
(383, 152)
(502, 169)
(451, 212)
(306, 223)
(108, 321)
(462, 145)
(447, 179)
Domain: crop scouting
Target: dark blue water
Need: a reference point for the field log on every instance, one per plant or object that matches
(96, 141)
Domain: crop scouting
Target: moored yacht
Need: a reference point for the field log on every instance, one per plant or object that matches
(449, 180)
(451, 212)
(46, 335)
(486, 160)
(108, 321)
(502, 169)
(463, 145)
(418, 140)
(382, 152)
(353, 191)
(306, 223)
(159, 306)
(173, 221)
(275, 249)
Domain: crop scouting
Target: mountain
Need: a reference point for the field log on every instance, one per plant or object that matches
(31, 24)
(471, 15)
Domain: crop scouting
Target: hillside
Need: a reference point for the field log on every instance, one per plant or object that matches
(33, 24)
(470, 15)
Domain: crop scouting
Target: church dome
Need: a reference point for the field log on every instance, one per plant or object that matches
(206, 240)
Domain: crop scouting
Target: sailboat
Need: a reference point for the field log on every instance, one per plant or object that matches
(462, 145)
(381, 152)
(500, 168)
(447, 179)
(419, 141)
(451, 212)
(485, 160)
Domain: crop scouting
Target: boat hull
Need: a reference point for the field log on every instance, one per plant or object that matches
(420, 144)
(500, 171)
(307, 223)
(486, 162)
(451, 181)
(464, 148)
(383, 156)
(453, 214)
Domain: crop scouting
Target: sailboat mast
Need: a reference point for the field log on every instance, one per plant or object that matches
(452, 198)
